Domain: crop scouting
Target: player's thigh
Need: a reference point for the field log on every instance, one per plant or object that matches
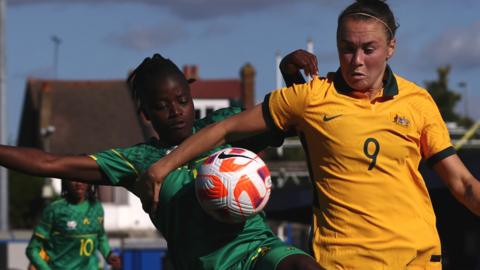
(286, 257)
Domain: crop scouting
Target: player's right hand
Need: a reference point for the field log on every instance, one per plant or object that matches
(115, 261)
(297, 60)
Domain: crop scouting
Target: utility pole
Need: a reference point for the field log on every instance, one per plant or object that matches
(56, 47)
(464, 86)
(3, 125)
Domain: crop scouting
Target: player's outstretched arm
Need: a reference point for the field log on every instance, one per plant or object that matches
(293, 62)
(463, 185)
(237, 127)
(33, 252)
(36, 162)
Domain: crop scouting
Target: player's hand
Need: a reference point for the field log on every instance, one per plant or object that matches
(115, 261)
(147, 188)
(297, 60)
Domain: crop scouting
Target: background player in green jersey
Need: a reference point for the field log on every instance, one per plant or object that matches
(71, 231)
(195, 240)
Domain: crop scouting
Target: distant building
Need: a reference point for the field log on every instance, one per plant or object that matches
(88, 116)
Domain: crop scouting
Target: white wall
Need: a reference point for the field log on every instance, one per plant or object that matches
(214, 104)
(127, 217)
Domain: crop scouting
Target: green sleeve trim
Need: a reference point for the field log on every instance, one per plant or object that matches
(115, 165)
(441, 155)
(126, 161)
(41, 236)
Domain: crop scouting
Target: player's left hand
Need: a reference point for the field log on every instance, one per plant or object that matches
(147, 188)
(115, 261)
(300, 59)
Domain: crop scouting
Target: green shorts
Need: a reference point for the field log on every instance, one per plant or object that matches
(268, 257)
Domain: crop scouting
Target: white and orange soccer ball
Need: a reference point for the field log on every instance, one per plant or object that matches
(233, 184)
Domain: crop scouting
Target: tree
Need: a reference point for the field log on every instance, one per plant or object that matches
(445, 98)
(25, 199)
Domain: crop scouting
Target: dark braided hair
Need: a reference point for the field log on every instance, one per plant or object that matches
(373, 8)
(91, 195)
(149, 71)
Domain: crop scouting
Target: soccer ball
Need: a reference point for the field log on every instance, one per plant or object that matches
(233, 184)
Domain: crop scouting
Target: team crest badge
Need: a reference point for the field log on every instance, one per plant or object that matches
(402, 121)
(71, 225)
(86, 221)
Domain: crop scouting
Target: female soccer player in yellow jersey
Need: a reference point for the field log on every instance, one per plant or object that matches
(365, 131)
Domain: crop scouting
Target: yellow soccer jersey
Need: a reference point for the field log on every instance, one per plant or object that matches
(372, 208)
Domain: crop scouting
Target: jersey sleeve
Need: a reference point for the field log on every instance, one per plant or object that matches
(103, 245)
(44, 226)
(283, 109)
(435, 140)
(118, 168)
(34, 251)
(41, 235)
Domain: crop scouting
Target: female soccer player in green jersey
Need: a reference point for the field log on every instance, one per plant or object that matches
(70, 232)
(364, 130)
(195, 240)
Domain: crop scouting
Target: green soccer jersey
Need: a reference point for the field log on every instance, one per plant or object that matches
(70, 235)
(195, 240)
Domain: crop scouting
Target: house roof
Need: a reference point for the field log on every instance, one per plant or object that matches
(87, 116)
(92, 115)
(229, 89)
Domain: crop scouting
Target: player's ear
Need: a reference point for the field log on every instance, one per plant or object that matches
(391, 46)
(143, 115)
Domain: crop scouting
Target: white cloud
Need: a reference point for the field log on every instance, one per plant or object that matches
(458, 47)
(147, 38)
(188, 9)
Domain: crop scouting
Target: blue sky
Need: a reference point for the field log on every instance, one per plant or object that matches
(104, 39)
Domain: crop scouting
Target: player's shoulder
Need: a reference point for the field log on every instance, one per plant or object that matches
(97, 205)
(407, 87)
(58, 202)
(56, 205)
(216, 116)
(151, 147)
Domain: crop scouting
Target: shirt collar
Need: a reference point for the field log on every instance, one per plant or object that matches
(389, 83)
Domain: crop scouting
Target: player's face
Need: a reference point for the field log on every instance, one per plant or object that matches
(363, 50)
(78, 190)
(170, 109)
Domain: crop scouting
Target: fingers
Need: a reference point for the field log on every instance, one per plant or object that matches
(156, 196)
(301, 59)
(147, 189)
(308, 63)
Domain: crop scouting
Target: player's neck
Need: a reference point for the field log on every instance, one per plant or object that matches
(75, 200)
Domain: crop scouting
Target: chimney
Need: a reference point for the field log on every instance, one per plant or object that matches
(247, 77)
(191, 72)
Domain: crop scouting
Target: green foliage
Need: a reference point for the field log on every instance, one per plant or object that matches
(445, 98)
(25, 199)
